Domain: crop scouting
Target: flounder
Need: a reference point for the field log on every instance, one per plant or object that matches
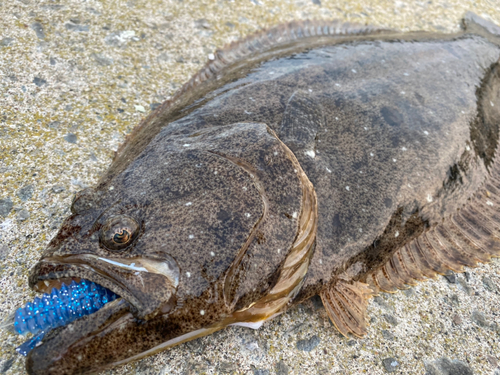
(312, 158)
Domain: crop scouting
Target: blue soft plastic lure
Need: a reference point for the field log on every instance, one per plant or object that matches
(61, 307)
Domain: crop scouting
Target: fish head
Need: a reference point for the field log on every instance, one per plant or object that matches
(191, 235)
(101, 242)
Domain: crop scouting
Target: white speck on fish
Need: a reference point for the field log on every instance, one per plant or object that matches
(189, 203)
(310, 153)
(347, 188)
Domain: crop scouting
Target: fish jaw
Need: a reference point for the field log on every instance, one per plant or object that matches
(61, 348)
(110, 337)
(147, 284)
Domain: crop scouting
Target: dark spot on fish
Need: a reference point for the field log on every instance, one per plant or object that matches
(388, 202)
(454, 176)
(260, 238)
(223, 215)
(336, 222)
(420, 99)
(484, 130)
(392, 116)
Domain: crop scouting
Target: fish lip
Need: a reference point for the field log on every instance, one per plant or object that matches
(56, 269)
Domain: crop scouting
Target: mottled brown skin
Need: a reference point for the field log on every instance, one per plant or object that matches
(395, 132)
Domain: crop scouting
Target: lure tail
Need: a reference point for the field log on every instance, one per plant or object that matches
(61, 307)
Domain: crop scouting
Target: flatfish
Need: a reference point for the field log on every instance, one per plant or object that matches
(313, 158)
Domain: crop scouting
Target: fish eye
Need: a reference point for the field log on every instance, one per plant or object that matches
(119, 232)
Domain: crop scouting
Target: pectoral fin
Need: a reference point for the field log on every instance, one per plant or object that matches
(346, 304)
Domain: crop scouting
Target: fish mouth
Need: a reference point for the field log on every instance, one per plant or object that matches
(142, 282)
(77, 286)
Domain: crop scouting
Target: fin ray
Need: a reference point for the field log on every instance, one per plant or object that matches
(346, 304)
(470, 236)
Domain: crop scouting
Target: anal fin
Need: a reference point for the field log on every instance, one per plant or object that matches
(470, 236)
(346, 303)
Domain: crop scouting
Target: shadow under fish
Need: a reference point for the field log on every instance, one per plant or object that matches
(312, 158)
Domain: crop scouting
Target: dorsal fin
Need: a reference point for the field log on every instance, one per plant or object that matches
(469, 237)
(257, 45)
(269, 39)
(345, 303)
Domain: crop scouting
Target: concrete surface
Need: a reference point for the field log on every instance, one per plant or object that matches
(76, 76)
